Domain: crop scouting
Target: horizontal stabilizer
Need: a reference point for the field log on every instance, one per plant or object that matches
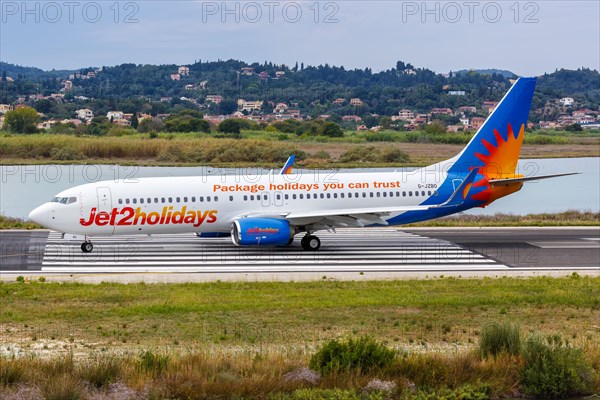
(529, 178)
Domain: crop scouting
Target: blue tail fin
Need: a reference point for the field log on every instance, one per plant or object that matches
(497, 144)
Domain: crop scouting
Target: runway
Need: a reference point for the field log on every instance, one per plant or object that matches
(388, 252)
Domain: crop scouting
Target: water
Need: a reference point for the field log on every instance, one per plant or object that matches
(25, 187)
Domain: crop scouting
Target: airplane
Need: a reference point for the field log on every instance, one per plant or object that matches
(271, 209)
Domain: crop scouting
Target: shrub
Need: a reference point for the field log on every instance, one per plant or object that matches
(362, 355)
(21, 279)
(11, 371)
(63, 387)
(153, 363)
(326, 394)
(100, 371)
(322, 155)
(500, 338)
(67, 154)
(394, 156)
(553, 369)
(364, 154)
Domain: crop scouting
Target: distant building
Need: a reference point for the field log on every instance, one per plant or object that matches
(279, 74)
(351, 118)
(203, 84)
(189, 87)
(456, 92)
(122, 122)
(247, 71)
(405, 115)
(489, 106)
(467, 109)
(175, 77)
(85, 114)
(356, 102)
(567, 101)
(362, 128)
(91, 74)
(68, 86)
(166, 99)
(441, 111)
(4, 108)
(244, 105)
(213, 98)
(183, 70)
(114, 115)
(476, 122)
(264, 75)
(339, 101)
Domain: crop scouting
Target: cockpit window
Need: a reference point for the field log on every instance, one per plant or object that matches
(64, 200)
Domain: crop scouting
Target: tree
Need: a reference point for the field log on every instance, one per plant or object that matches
(22, 120)
(230, 126)
(134, 121)
(573, 128)
(44, 105)
(332, 129)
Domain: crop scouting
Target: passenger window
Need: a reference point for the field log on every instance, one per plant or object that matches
(422, 193)
(403, 194)
(208, 198)
(278, 197)
(410, 193)
(328, 195)
(397, 194)
(266, 197)
(134, 201)
(178, 199)
(120, 201)
(301, 196)
(258, 197)
(364, 194)
(342, 195)
(156, 199)
(185, 199)
(245, 197)
(201, 199)
(216, 198)
(391, 194)
(170, 199)
(126, 201)
(335, 195)
(193, 199)
(142, 200)
(322, 195)
(294, 196)
(251, 197)
(378, 194)
(230, 198)
(162, 199)
(287, 196)
(429, 193)
(371, 194)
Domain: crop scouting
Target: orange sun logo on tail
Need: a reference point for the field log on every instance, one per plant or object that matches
(500, 162)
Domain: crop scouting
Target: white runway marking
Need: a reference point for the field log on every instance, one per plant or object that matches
(348, 250)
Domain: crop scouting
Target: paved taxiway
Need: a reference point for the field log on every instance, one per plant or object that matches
(348, 254)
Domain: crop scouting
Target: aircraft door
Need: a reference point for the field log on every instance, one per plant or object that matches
(105, 205)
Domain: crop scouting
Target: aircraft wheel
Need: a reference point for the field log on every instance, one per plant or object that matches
(311, 242)
(87, 247)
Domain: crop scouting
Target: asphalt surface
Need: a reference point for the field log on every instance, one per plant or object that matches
(374, 253)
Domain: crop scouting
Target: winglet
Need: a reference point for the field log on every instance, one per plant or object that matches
(461, 192)
(287, 167)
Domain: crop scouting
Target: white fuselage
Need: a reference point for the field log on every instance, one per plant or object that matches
(212, 203)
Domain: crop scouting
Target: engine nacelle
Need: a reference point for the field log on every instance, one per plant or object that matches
(261, 232)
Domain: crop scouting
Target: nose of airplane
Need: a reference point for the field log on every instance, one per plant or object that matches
(40, 215)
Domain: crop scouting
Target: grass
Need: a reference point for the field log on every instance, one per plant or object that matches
(225, 340)
(268, 149)
(17, 223)
(567, 218)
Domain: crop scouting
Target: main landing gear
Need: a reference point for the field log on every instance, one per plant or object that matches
(87, 246)
(310, 242)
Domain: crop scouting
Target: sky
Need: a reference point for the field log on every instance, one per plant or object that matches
(526, 37)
